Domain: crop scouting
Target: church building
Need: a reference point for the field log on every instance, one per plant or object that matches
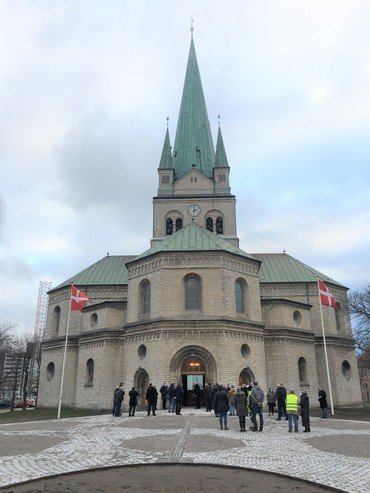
(195, 306)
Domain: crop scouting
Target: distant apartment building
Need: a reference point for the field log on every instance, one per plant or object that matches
(11, 373)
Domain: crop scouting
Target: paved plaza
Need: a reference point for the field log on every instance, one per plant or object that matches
(336, 453)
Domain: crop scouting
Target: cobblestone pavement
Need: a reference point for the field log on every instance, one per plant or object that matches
(335, 453)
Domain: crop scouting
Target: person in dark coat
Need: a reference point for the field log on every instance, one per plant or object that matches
(207, 397)
(164, 391)
(221, 405)
(118, 398)
(215, 389)
(271, 401)
(323, 403)
(179, 397)
(241, 405)
(151, 397)
(133, 401)
(197, 395)
(114, 401)
(281, 398)
(304, 404)
(171, 398)
(256, 401)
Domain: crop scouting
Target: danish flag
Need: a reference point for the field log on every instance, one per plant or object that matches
(325, 297)
(78, 299)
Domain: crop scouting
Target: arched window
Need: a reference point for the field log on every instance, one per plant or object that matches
(169, 226)
(50, 371)
(337, 316)
(193, 298)
(239, 297)
(178, 223)
(145, 294)
(165, 179)
(56, 320)
(89, 376)
(302, 370)
(219, 226)
(346, 370)
(209, 224)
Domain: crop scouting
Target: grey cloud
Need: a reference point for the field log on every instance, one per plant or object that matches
(105, 163)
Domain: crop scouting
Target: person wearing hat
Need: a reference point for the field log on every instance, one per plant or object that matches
(304, 404)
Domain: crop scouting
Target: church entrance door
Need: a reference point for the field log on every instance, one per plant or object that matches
(246, 376)
(193, 372)
(141, 382)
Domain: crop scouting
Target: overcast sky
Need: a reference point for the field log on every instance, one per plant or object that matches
(85, 92)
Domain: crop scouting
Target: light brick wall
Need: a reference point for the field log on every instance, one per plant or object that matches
(218, 274)
(345, 391)
(282, 314)
(223, 344)
(49, 389)
(282, 355)
(162, 207)
(107, 357)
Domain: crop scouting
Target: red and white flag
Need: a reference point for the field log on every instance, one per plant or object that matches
(325, 297)
(78, 299)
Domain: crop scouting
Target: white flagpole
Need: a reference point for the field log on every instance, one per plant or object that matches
(64, 358)
(326, 353)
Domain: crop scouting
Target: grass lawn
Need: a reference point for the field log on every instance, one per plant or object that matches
(36, 414)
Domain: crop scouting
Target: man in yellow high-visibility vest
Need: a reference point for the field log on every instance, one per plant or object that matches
(292, 401)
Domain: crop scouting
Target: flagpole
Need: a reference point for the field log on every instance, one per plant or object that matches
(64, 359)
(326, 353)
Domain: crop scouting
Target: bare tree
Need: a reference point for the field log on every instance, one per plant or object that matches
(22, 351)
(5, 336)
(359, 305)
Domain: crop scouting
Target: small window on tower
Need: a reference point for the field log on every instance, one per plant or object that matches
(169, 226)
(219, 226)
(221, 177)
(178, 223)
(209, 224)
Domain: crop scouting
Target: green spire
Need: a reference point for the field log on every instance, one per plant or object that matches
(193, 142)
(166, 158)
(220, 159)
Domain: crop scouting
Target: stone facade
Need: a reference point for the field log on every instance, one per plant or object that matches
(194, 304)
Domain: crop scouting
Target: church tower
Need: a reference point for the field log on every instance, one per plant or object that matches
(193, 179)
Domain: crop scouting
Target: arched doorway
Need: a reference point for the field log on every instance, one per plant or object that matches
(246, 376)
(141, 383)
(190, 365)
(193, 371)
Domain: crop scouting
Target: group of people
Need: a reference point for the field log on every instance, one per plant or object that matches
(118, 396)
(243, 401)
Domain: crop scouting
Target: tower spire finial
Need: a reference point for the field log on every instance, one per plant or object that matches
(191, 25)
(219, 119)
(167, 120)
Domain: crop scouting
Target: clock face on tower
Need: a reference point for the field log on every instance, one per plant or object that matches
(193, 210)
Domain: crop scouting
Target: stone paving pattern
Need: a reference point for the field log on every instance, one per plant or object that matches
(335, 453)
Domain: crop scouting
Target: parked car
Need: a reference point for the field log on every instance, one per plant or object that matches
(29, 403)
(5, 403)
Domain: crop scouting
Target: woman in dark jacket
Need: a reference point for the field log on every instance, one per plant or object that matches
(221, 405)
(304, 404)
(323, 403)
(241, 404)
(133, 401)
